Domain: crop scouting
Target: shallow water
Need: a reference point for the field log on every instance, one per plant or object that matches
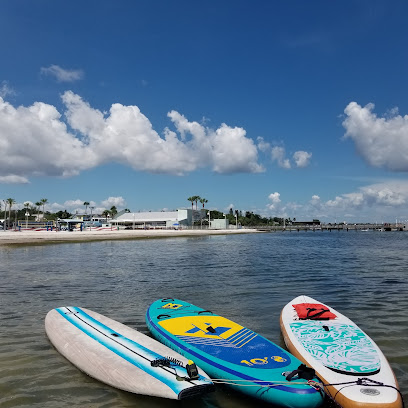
(247, 278)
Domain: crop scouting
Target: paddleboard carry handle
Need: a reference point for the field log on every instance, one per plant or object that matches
(162, 316)
(205, 311)
(302, 371)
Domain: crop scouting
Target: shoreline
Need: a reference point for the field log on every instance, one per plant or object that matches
(18, 238)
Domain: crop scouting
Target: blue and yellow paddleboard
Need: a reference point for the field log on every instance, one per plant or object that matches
(230, 353)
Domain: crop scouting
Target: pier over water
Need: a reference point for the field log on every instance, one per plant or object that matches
(334, 227)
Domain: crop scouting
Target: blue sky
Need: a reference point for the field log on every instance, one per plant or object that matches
(295, 109)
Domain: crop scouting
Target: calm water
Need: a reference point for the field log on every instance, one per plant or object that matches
(247, 278)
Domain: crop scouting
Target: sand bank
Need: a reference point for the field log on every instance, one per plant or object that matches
(52, 237)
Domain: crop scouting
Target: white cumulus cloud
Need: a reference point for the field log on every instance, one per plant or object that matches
(262, 145)
(226, 150)
(118, 202)
(301, 158)
(61, 74)
(36, 141)
(275, 201)
(275, 197)
(278, 154)
(381, 141)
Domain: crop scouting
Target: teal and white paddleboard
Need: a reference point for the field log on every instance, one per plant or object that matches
(120, 356)
(230, 353)
(341, 354)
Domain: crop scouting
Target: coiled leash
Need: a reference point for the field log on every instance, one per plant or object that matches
(171, 362)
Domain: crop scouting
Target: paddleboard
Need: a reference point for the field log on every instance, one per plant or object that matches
(341, 354)
(122, 357)
(230, 353)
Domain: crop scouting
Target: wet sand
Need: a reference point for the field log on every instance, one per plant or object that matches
(52, 237)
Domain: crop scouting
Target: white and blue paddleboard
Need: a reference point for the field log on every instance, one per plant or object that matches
(120, 356)
(231, 353)
(354, 369)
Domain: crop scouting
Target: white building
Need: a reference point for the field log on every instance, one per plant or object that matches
(154, 219)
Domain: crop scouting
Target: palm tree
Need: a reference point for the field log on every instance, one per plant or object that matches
(192, 198)
(113, 211)
(106, 214)
(196, 199)
(38, 205)
(43, 202)
(86, 203)
(10, 202)
(203, 201)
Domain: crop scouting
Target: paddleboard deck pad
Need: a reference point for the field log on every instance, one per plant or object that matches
(341, 353)
(122, 357)
(230, 353)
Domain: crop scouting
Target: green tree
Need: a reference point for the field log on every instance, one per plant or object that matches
(63, 214)
(217, 214)
(86, 203)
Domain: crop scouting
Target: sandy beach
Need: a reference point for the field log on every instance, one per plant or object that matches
(52, 237)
